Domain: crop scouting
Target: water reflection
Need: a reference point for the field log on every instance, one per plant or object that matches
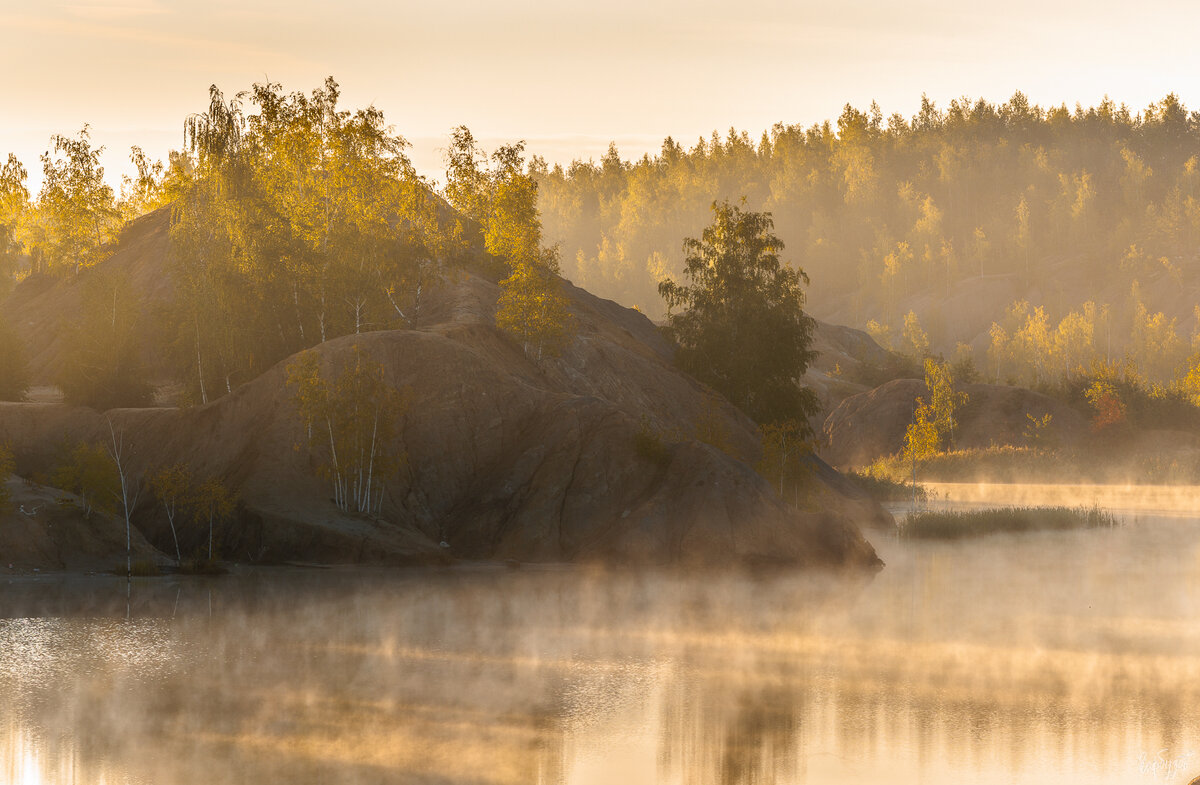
(1065, 657)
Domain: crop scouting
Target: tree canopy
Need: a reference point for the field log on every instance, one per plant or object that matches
(292, 225)
(739, 322)
(898, 214)
(500, 203)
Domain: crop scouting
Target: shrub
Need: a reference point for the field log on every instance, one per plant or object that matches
(886, 489)
(142, 568)
(996, 464)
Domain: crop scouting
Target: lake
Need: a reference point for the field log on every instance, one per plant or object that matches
(1067, 657)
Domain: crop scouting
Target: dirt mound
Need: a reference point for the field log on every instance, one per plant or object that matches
(504, 457)
(870, 425)
(40, 308)
(46, 530)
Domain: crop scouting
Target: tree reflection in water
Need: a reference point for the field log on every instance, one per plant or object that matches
(1005, 661)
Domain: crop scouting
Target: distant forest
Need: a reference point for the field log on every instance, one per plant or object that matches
(976, 230)
(1027, 244)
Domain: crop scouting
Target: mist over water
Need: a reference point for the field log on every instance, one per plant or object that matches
(1037, 658)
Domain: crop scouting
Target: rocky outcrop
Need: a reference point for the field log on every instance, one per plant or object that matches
(503, 456)
(870, 425)
(41, 532)
(845, 356)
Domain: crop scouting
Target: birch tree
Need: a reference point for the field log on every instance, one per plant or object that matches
(172, 485)
(211, 502)
(78, 207)
(350, 419)
(129, 488)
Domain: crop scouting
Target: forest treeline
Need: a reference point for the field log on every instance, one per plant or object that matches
(889, 216)
(293, 221)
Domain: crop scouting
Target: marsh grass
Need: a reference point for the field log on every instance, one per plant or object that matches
(1009, 464)
(141, 568)
(998, 464)
(952, 525)
(885, 488)
(201, 566)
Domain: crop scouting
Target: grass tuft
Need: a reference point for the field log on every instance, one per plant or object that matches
(884, 488)
(936, 525)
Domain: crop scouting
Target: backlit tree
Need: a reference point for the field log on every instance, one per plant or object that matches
(739, 323)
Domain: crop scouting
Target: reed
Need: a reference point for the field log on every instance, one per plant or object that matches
(952, 525)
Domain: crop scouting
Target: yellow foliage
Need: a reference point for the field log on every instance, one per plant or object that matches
(533, 310)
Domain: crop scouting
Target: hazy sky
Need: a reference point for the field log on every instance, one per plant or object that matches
(568, 77)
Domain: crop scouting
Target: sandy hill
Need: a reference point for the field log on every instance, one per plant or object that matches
(503, 457)
(41, 309)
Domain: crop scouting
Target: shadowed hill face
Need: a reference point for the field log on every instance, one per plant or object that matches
(872, 425)
(496, 455)
(42, 309)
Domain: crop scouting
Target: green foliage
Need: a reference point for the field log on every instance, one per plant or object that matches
(351, 417)
(210, 502)
(786, 447)
(293, 225)
(90, 473)
(172, 486)
(102, 365)
(14, 368)
(512, 230)
(14, 215)
(944, 399)
(916, 340)
(995, 464)
(896, 214)
(147, 191)
(142, 568)
(500, 203)
(468, 183)
(921, 437)
(933, 423)
(532, 309)
(739, 325)
(7, 467)
(76, 209)
(937, 525)
(1119, 400)
(887, 489)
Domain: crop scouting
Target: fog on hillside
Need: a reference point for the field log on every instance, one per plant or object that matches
(1030, 239)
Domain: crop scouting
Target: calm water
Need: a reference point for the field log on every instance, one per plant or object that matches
(1048, 658)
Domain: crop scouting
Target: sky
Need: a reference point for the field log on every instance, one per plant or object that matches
(569, 77)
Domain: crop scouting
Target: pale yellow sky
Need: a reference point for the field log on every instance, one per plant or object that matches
(568, 77)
